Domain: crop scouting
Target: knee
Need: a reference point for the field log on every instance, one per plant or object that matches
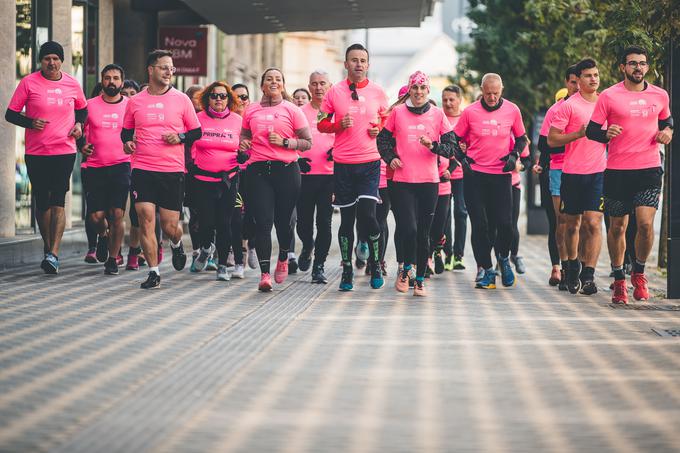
(645, 228)
(617, 230)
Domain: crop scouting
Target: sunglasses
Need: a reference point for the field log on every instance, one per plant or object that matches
(243, 97)
(353, 89)
(222, 96)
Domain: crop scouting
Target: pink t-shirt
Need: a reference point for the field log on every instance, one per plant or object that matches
(353, 145)
(488, 134)
(419, 164)
(516, 177)
(321, 143)
(444, 186)
(217, 148)
(582, 156)
(382, 183)
(54, 101)
(284, 119)
(556, 160)
(154, 116)
(102, 129)
(458, 172)
(638, 113)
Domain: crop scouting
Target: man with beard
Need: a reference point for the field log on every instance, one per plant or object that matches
(638, 119)
(108, 164)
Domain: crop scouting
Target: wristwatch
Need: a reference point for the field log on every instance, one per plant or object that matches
(285, 143)
(182, 137)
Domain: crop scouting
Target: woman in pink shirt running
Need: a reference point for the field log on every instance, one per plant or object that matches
(274, 130)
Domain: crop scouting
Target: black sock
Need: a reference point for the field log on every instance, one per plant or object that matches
(587, 274)
(574, 266)
(264, 267)
(618, 273)
(135, 250)
(565, 265)
(283, 255)
(638, 268)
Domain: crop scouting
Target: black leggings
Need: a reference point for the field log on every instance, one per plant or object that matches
(215, 203)
(488, 198)
(248, 229)
(316, 193)
(273, 188)
(364, 213)
(382, 210)
(237, 231)
(546, 202)
(516, 200)
(398, 248)
(415, 211)
(441, 215)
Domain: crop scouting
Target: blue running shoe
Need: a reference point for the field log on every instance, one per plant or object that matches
(362, 250)
(50, 265)
(347, 279)
(488, 280)
(377, 280)
(507, 276)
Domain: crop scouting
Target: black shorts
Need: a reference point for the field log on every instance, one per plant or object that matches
(625, 190)
(580, 193)
(50, 178)
(354, 181)
(107, 187)
(165, 190)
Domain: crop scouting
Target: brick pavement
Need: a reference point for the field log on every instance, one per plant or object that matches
(89, 363)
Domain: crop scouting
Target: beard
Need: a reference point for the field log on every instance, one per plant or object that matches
(111, 90)
(632, 77)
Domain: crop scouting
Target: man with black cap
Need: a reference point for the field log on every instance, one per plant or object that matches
(54, 117)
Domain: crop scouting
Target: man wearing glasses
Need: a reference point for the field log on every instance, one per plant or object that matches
(637, 118)
(157, 124)
(353, 110)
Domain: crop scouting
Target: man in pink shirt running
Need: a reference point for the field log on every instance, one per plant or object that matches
(638, 119)
(158, 122)
(55, 113)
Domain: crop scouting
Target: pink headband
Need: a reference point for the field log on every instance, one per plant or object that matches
(418, 78)
(403, 90)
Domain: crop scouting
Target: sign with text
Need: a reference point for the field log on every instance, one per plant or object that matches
(189, 47)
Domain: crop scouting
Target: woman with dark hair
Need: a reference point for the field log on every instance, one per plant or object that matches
(274, 131)
(215, 173)
(301, 97)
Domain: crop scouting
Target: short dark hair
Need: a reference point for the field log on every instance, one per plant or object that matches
(129, 83)
(571, 70)
(157, 54)
(356, 46)
(113, 67)
(240, 85)
(631, 50)
(586, 63)
(453, 89)
(305, 90)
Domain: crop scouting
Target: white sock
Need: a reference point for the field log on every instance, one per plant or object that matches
(155, 269)
(291, 256)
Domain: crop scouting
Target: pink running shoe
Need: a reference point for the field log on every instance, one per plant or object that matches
(639, 281)
(281, 271)
(133, 263)
(265, 283)
(91, 257)
(620, 292)
(119, 260)
(160, 253)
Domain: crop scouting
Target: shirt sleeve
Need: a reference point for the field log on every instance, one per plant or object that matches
(600, 113)
(80, 101)
(19, 97)
(462, 127)
(129, 117)
(518, 125)
(561, 118)
(298, 118)
(391, 120)
(547, 121)
(665, 108)
(246, 119)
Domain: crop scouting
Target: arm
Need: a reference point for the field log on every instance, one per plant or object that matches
(127, 135)
(18, 119)
(595, 132)
(192, 135)
(81, 115)
(445, 146)
(557, 137)
(325, 124)
(386, 145)
(303, 142)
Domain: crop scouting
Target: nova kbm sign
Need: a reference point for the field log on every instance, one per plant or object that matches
(189, 47)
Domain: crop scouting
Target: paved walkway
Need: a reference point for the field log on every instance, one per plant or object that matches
(90, 363)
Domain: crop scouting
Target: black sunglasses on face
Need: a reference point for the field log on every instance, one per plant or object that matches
(222, 96)
(243, 97)
(353, 89)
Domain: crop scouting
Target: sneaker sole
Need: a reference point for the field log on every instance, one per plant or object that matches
(153, 287)
(346, 289)
(320, 282)
(486, 287)
(48, 268)
(222, 279)
(382, 283)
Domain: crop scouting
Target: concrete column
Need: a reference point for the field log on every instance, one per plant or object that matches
(106, 33)
(7, 130)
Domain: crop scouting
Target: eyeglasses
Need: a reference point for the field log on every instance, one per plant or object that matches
(243, 97)
(222, 96)
(172, 69)
(353, 89)
(635, 64)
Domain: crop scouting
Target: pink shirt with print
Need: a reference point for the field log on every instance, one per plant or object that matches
(102, 129)
(321, 143)
(217, 148)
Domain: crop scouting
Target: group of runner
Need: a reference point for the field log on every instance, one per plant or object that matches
(244, 168)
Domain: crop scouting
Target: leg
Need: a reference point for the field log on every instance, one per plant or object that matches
(170, 224)
(460, 216)
(324, 218)
(305, 211)
(474, 202)
(286, 183)
(571, 236)
(616, 239)
(117, 231)
(592, 223)
(146, 213)
(516, 200)
(644, 239)
(426, 202)
(382, 210)
(261, 189)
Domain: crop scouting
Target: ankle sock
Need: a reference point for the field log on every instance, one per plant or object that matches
(638, 267)
(618, 273)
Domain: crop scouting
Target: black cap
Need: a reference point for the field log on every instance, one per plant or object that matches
(49, 48)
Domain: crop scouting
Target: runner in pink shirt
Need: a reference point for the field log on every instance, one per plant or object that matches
(487, 127)
(55, 112)
(638, 120)
(582, 176)
(415, 134)
(274, 131)
(354, 110)
(157, 124)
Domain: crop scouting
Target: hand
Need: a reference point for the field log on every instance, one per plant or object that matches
(425, 141)
(304, 163)
(466, 163)
(537, 169)
(347, 121)
(373, 131)
(171, 138)
(582, 131)
(244, 145)
(275, 139)
(510, 162)
(329, 155)
(665, 136)
(76, 131)
(614, 130)
(396, 163)
(39, 124)
(130, 147)
(88, 149)
(242, 157)
(446, 176)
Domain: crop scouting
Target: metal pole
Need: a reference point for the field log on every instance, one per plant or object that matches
(673, 154)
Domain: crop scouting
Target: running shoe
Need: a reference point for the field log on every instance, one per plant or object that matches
(238, 272)
(402, 282)
(252, 258)
(202, 258)
(448, 263)
(588, 287)
(222, 273)
(488, 280)
(211, 265)
(562, 285)
(318, 275)
(111, 266)
(362, 251)
(620, 292)
(412, 277)
(555, 277)
(507, 276)
(292, 266)
(518, 261)
(438, 263)
(458, 263)
(132, 263)
(50, 265)
(179, 258)
(230, 259)
(102, 249)
(419, 289)
(119, 260)
(265, 283)
(153, 281)
(194, 255)
(377, 280)
(360, 264)
(639, 281)
(347, 279)
(91, 256)
(573, 282)
(281, 271)
(480, 274)
(305, 260)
